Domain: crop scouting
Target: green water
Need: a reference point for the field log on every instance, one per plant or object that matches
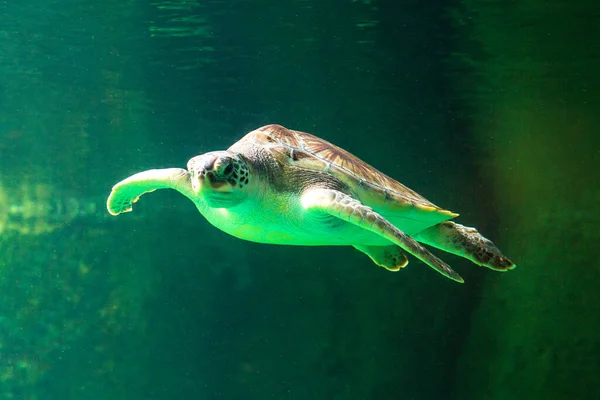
(489, 109)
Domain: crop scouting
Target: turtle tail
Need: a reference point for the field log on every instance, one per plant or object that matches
(466, 242)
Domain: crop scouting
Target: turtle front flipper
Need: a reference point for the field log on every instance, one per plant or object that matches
(346, 208)
(128, 191)
(465, 242)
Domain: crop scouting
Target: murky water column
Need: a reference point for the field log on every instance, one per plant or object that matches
(531, 77)
(71, 92)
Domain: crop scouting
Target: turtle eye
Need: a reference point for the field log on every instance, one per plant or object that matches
(228, 169)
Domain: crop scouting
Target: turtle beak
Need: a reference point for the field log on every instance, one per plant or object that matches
(201, 170)
(197, 171)
(207, 172)
(200, 178)
(196, 182)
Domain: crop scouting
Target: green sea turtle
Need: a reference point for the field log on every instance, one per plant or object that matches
(280, 186)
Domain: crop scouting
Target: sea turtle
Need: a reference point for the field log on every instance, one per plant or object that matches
(281, 186)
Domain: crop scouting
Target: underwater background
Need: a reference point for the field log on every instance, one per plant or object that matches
(487, 108)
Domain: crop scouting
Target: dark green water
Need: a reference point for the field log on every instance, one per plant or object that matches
(489, 109)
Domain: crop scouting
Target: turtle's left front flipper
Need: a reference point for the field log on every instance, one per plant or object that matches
(346, 208)
(129, 190)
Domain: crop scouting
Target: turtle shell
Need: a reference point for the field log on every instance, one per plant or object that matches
(404, 207)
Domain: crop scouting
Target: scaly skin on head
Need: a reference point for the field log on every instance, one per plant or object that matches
(220, 177)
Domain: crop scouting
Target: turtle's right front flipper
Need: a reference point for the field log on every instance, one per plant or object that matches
(128, 191)
(351, 210)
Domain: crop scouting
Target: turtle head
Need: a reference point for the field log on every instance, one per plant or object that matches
(220, 177)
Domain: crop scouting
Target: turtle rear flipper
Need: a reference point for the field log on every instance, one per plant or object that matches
(465, 242)
(389, 257)
(348, 209)
(128, 191)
